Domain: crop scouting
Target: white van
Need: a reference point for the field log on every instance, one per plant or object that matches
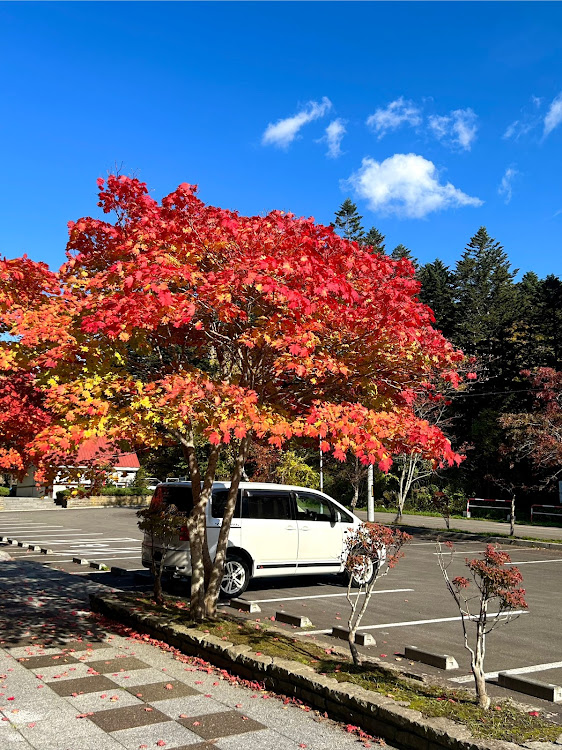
(276, 530)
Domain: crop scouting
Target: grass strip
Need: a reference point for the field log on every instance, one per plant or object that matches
(503, 721)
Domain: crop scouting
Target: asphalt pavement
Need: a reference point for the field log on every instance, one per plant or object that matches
(472, 526)
(411, 606)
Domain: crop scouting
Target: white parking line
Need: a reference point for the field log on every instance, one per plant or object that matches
(409, 622)
(102, 553)
(323, 596)
(74, 536)
(107, 559)
(74, 541)
(24, 525)
(519, 670)
(45, 532)
(461, 552)
(533, 562)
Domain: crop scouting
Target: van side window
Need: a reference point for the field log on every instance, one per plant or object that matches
(218, 504)
(313, 507)
(345, 517)
(267, 504)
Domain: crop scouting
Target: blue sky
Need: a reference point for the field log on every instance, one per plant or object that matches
(436, 118)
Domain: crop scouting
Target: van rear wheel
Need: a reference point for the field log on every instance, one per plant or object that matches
(236, 577)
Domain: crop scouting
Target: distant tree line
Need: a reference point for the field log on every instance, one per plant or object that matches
(512, 329)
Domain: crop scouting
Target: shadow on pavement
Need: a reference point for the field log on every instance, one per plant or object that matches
(39, 605)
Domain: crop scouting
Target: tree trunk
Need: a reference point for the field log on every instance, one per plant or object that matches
(512, 517)
(477, 665)
(196, 523)
(212, 592)
(157, 573)
(353, 648)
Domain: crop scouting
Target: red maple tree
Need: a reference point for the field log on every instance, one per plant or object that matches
(176, 319)
(493, 584)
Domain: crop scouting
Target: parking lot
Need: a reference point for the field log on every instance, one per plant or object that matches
(108, 535)
(411, 605)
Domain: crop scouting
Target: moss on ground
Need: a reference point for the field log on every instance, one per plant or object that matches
(503, 721)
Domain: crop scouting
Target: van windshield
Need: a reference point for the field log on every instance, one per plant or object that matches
(177, 494)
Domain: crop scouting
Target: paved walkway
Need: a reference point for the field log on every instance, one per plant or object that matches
(68, 684)
(471, 525)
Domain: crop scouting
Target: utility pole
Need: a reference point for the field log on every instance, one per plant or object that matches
(321, 472)
(370, 494)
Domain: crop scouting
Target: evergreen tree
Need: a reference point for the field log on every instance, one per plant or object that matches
(375, 240)
(437, 292)
(348, 222)
(485, 296)
(529, 337)
(486, 313)
(551, 315)
(400, 252)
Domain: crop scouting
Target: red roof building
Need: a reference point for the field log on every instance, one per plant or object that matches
(97, 448)
(123, 473)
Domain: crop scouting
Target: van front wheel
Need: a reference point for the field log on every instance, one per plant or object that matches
(363, 571)
(236, 577)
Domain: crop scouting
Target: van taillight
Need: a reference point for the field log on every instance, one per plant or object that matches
(184, 534)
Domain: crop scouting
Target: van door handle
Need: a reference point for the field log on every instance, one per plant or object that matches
(305, 528)
(291, 528)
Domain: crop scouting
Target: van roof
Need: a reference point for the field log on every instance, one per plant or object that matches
(247, 485)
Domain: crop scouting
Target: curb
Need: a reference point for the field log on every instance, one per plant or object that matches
(47, 551)
(25, 545)
(352, 704)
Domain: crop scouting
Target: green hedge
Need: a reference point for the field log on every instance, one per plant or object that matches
(4, 491)
(113, 491)
(125, 491)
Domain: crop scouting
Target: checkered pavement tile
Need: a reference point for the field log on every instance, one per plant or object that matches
(128, 717)
(83, 685)
(48, 660)
(119, 664)
(161, 691)
(172, 734)
(223, 724)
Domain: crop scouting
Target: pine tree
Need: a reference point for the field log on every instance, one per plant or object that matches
(486, 312)
(437, 292)
(348, 221)
(485, 296)
(375, 240)
(530, 340)
(551, 294)
(401, 251)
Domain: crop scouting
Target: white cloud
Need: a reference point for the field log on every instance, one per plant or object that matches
(393, 116)
(333, 137)
(406, 185)
(457, 129)
(553, 117)
(283, 132)
(528, 120)
(518, 128)
(506, 185)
